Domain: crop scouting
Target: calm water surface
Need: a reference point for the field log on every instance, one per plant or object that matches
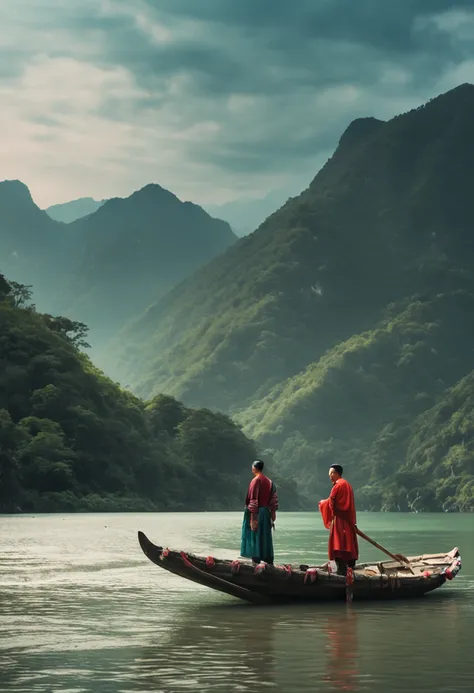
(83, 610)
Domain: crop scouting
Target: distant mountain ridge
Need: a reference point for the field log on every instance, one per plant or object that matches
(106, 267)
(30, 242)
(342, 297)
(245, 215)
(134, 249)
(75, 209)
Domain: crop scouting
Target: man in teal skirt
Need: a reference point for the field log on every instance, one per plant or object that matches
(261, 505)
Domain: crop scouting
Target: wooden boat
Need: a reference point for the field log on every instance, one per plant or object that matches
(264, 584)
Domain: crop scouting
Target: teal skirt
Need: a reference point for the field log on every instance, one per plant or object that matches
(259, 544)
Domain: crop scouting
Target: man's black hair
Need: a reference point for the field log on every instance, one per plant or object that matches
(337, 468)
(258, 464)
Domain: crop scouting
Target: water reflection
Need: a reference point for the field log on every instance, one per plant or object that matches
(227, 648)
(342, 651)
(346, 647)
(232, 647)
(240, 648)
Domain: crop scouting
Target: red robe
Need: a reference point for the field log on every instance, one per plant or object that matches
(339, 515)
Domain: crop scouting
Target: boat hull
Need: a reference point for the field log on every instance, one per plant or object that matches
(265, 584)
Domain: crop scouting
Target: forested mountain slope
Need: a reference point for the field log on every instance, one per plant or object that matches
(346, 315)
(71, 439)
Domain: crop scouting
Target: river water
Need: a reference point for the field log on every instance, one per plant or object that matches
(83, 610)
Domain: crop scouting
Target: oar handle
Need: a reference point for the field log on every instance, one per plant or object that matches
(381, 548)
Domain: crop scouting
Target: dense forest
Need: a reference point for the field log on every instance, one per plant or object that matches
(341, 330)
(73, 440)
(379, 404)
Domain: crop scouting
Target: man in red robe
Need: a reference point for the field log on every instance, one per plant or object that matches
(339, 516)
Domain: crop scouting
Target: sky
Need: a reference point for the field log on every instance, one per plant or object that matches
(216, 100)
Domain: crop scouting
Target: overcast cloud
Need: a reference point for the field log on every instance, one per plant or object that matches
(213, 99)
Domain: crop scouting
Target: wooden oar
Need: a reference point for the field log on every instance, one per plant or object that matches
(397, 557)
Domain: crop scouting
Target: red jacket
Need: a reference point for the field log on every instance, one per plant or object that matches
(262, 493)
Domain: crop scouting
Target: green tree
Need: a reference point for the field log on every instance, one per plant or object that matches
(165, 414)
(71, 330)
(4, 287)
(10, 439)
(20, 295)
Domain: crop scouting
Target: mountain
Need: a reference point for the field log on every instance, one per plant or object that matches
(345, 317)
(70, 439)
(106, 267)
(245, 215)
(33, 247)
(133, 250)
(75, 209)
(25, 230)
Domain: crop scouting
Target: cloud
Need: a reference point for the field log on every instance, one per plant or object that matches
(213, 99)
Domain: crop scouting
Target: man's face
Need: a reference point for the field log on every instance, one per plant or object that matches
(254, 470)
(333, 475)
